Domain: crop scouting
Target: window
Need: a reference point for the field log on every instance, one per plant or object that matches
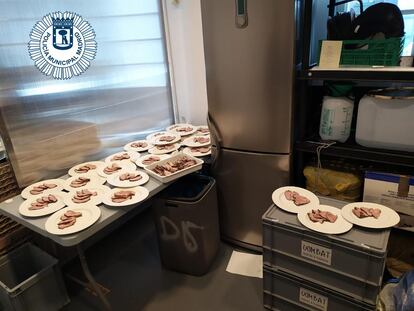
(125, 93)
(407, 9)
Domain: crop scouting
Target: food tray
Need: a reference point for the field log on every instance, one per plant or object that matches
(288, 293)
(352, 263)
(166, 179)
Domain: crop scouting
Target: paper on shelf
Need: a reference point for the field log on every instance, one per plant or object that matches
(245, 264)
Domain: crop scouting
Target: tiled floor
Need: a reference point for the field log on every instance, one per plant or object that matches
(127, 262)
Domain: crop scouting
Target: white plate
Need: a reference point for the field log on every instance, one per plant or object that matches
(132, 154)
(50, 209)
(59, 187)
(156, 140)
(115, 181)
(152, 136)
(125, 166)
(188, 170)
(143, 158)
(128, 146)
(141, 194)
(202, 127)
(278, 197)
(95, 199)
(338, 227)
(72, 171)
(388, 217)
(95, 180)
(190, 141)
(173, 129)
(90, 214)
(187, 150)
(154, 150)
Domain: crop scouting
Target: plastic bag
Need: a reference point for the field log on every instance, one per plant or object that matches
(404, 293)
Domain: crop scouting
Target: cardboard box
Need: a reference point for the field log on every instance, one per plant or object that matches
(394, 191)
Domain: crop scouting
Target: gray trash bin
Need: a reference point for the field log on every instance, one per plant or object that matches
(31, 280)
(186, 216)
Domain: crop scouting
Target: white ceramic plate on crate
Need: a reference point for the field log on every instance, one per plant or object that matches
(179, 129)
(141, 194)
(124, 165)
(388, 217)
(192, 152)
(278, 197)
(116, 182)
(73, 171)
(178, 174)
(90, 215)
(338, 227)
(190, 141)
(145, 146)
(132, 157)
(58, 182)
(47, 210)
(94, 180)
(94, 200)
(160, 157)
(157, 149)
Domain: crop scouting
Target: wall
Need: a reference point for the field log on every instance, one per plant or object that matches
(186, 55)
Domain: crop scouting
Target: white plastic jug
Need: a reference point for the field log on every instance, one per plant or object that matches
(386, 120)
(336, 118)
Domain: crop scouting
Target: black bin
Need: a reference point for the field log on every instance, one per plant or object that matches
(186, 216)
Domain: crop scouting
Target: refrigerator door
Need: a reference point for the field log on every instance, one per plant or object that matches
(250, 72)
(245, 182)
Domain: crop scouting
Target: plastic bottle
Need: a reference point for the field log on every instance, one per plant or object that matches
(336, 118)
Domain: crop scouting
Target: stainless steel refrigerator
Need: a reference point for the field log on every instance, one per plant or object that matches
(250, 59)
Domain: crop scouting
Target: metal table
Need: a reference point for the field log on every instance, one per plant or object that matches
(109, 215)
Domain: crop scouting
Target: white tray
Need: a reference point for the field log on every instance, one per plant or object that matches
(188, 170)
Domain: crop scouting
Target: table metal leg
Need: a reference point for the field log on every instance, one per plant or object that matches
(91, 279)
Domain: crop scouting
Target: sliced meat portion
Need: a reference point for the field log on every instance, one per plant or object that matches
(120, 157)
(184, 129)
(166, 147)
(139, 144)
(43, 202)
(201, 140)
(85, 168)
(322, 216)
(172, 167)
(67, 223)
(42, 187)
(296, 198)
(150, 160)
(110, 169)
(83, 196)
(203, 130)
(80, 182)
(288, 195)
(364, 212)
(166, 138)
(70, 213)
(200, 149)
(130, 177)
(122, 196)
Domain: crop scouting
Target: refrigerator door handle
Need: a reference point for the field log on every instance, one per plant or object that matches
(215, 138)
(241, 14)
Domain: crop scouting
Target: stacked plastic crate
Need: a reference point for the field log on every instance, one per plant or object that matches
(307, 270)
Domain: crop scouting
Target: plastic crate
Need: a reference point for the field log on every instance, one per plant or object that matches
(31, 280)
(385, 52)
(288, 293)
(352, 263)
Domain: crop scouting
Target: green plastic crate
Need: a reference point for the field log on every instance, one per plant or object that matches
(385, 52)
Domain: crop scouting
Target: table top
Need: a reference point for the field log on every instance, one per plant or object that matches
(10, 208)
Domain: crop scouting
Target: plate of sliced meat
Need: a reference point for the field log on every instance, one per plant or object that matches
(150, 159)
(72, 219)
(81, 181)
(88, 195)
(202, 130)
(325, 219)
(128, 179)
(84, 168)
(127, 156)
(164, 149)
(293, 199)
(125, 196)
(109, 169)
(43, 187)
(370, 215)
(198, 151)
(166, 139)
(197, 141)
(42, 205)
(138, 146)
(182, 129)
(174, 167)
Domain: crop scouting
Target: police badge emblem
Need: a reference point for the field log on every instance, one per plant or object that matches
(62, 45)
